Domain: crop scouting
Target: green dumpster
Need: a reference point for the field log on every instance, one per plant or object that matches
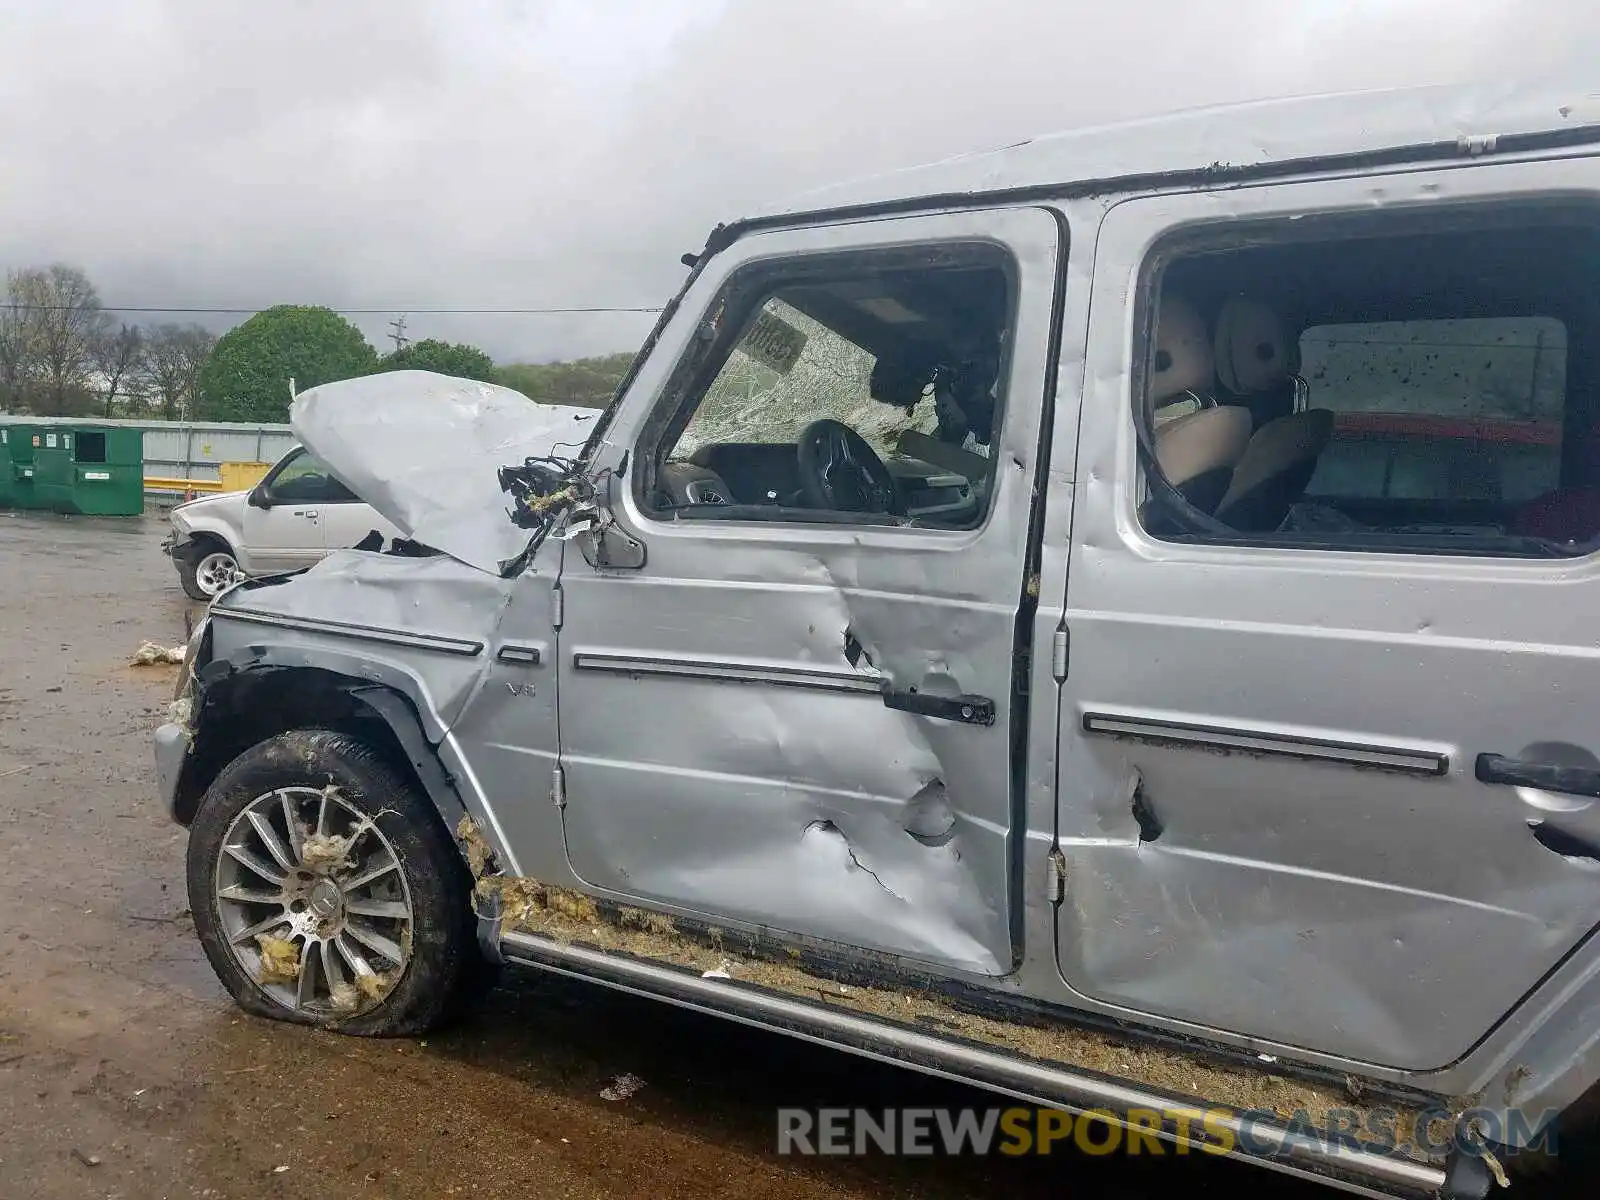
(107, 471)
(18, 464)
(88, 470)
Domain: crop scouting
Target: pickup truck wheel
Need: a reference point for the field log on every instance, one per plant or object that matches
(208, 571)
(326, 891)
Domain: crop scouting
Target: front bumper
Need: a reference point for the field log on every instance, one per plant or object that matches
(172, 747)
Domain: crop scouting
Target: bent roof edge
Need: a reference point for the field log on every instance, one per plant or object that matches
(1233, 137)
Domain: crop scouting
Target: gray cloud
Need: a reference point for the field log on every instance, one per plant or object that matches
(545, 152)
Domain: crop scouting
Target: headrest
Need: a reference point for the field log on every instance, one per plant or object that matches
(1183, 359)
(1252, 353)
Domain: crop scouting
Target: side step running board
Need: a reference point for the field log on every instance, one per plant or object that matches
(1290, 1151)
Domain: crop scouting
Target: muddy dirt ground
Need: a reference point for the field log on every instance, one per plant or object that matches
(125, 1071)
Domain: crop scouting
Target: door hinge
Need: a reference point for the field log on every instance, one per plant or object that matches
(556, 607)
(1059, 643)
(558, 786)
(1056, 881)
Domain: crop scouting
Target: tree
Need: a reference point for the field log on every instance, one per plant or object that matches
(117, 357)
(585, 382)
(173, 359)
(247, 375)
(16, 344)
(63, 320)
(446, 358)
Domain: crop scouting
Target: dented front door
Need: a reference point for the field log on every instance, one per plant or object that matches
(726, 744)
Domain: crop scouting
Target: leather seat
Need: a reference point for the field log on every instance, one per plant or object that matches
(1255, 360)
(1197, 452)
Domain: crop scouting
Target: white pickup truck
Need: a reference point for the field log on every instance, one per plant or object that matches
(295, 516)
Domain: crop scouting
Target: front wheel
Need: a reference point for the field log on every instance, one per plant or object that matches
(208, 571)
(326, 891)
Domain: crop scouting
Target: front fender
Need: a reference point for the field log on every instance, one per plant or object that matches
(355, 671)
(240, 701)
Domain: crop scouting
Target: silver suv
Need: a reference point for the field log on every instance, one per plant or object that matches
(1110, 620)
(294, 517)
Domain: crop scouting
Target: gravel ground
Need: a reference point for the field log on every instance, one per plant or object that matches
(126, 1072)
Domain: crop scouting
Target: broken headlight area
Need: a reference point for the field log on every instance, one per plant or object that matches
(545, 492)
(541, 489)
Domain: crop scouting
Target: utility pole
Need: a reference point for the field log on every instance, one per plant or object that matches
(398, 337)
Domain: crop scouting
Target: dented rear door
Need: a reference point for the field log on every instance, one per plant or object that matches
(726, 746)
(1270, 814)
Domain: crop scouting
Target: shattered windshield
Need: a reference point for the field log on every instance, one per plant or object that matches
(786, 371)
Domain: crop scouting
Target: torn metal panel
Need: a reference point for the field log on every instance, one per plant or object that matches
(424, 450)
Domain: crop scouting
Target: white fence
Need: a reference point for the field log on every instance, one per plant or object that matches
(192, 449)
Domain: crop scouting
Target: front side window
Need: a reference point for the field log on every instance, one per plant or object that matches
(1399, 389)
(302, 478)
(871, 392)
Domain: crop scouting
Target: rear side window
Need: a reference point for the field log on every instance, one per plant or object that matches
(1380, 382)
(1468, 409)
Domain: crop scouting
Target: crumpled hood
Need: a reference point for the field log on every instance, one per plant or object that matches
(425, 451)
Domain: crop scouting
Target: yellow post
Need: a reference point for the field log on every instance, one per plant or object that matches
(242, 476)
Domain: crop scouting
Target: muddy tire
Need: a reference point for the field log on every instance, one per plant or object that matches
(203, 570)
(327, 892)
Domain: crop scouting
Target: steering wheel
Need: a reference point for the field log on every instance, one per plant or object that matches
(840, 472)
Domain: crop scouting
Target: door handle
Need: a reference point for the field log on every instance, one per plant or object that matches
(1543, 776)
(309, 514)
(1569, 834)
(969, 710)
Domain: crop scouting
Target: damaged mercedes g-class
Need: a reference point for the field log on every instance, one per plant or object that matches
(1109, 620)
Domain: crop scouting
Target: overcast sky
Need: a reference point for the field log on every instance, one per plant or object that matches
(521, 153)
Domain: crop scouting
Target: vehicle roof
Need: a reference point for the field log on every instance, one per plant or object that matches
(1235, 140)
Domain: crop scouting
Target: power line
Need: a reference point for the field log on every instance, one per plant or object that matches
(373, 312)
